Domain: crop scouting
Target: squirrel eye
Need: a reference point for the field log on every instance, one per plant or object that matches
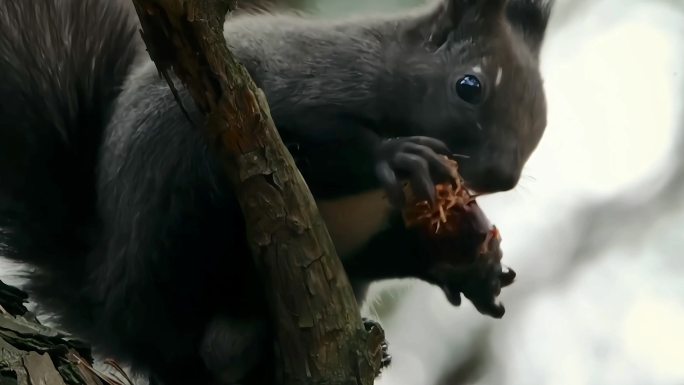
(469, 89)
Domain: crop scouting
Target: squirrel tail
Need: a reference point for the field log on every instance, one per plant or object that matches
(62, 65)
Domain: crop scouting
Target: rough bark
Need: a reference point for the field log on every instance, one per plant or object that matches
(319, 329)
(31, 353)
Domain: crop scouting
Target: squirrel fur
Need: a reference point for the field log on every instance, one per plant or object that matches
(134, 239)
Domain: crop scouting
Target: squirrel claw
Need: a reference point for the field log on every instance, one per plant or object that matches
(418, 159)
(386, 358)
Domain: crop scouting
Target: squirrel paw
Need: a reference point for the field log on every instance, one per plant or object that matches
(420, 159)
(371, 326)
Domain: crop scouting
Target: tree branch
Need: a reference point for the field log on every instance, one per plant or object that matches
(314, 312)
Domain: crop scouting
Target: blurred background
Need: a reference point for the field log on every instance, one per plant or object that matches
(595, 229)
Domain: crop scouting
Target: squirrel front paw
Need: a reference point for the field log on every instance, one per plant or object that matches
(371, 326)
(420, 159)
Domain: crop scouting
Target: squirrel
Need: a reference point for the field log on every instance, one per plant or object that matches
(134, 237)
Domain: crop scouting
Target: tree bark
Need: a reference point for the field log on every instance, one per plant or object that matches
(315, 315)
(31, 353)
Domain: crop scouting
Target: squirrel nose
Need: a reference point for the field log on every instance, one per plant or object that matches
(492, 179)
(497, 180)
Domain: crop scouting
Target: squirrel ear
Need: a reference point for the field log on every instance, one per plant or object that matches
(530, 18)
(451, 12)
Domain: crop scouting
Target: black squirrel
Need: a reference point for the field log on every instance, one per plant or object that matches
(134, 236)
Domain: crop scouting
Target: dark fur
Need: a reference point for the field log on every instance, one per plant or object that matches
(62, 67)
(126, 216)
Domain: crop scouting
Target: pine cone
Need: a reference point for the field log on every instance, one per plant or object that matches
(464, 247)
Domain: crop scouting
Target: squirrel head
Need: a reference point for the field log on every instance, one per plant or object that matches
(481, 91)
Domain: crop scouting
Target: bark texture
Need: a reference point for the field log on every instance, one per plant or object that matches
(31, 353)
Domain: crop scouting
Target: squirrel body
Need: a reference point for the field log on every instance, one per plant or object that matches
(135, 238)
